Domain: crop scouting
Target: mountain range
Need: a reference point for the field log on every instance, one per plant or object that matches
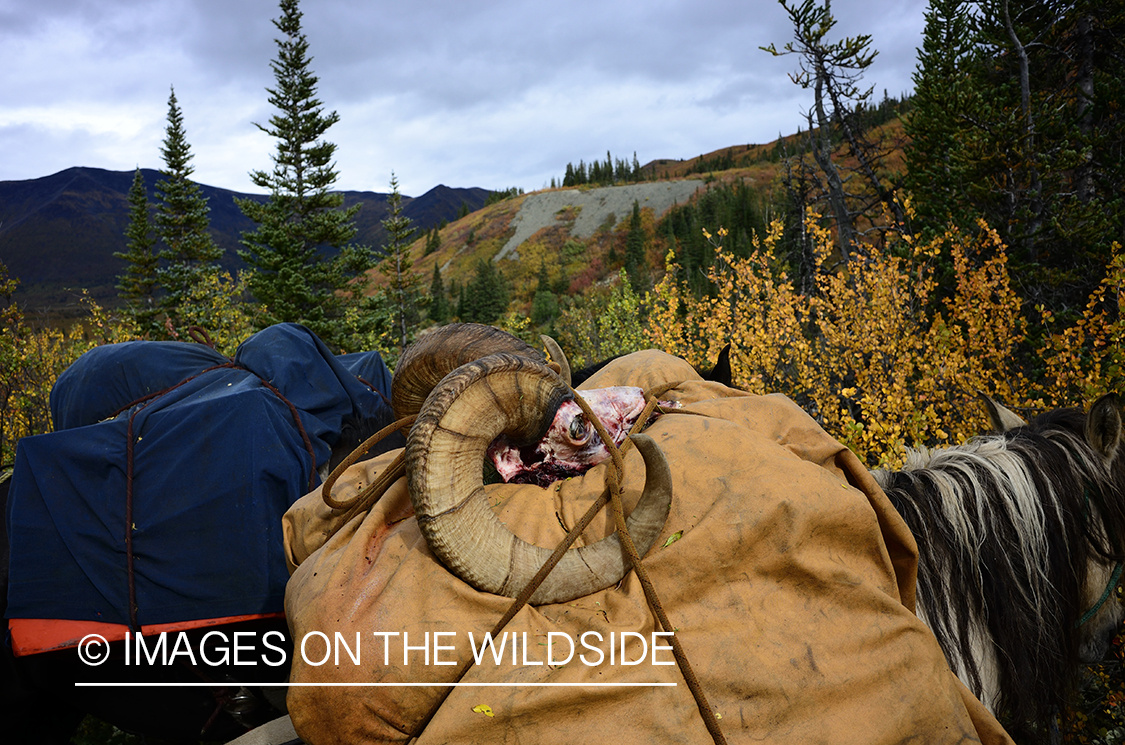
(59, 233)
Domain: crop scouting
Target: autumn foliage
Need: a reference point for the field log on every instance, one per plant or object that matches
(31, 360)
(877, 354)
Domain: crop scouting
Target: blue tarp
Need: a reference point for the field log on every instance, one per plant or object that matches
(217, 461)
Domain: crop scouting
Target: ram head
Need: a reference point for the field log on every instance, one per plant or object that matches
(475, 389)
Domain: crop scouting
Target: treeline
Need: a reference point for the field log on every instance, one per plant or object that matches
(724, 161)
(617, 171)
(602, 173)
(499, 196)
(866, 117)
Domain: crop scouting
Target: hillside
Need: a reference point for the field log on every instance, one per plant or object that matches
(593, 209)
(59, 233)
(577, 234)
(571, 229)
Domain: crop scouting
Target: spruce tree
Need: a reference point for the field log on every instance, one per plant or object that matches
(544, 304)
(935, 155)
(439, 303)
(183, 223)
(433, 241)
(137, 286)
(291, 276)
(635, 251)
(462, 308)
(485, 297)
(403, 285)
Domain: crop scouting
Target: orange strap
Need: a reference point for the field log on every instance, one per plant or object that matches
(37, 635)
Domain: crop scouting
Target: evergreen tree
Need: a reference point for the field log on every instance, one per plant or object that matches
(433, 241)
(485, 297)
(183, 223)
(1019, 124)
(138, 285)
(635, 242)
(439, 303)
(544, 304)
(935, 155)
(293, 275)
(404, 286)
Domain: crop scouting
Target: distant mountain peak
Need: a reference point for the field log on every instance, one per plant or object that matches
(58, 233)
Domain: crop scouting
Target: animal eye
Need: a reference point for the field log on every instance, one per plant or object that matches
(578, 428)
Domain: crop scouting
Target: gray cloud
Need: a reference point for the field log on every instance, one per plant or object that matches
(496, 94)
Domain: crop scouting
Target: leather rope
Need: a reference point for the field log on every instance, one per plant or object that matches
(370, 495)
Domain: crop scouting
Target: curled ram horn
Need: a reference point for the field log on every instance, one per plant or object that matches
(516, 395)
(440, 352)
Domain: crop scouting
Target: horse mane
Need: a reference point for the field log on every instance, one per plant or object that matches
(1006, 527)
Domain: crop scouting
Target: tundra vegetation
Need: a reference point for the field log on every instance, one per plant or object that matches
(879, 268)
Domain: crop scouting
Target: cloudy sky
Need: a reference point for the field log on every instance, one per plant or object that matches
(492, 93)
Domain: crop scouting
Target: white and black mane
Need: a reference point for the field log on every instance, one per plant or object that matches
(1020, 538)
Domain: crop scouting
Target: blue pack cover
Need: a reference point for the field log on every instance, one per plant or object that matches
(108, 378)
(216, 462)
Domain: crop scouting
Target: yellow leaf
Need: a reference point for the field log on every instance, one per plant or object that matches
(673, 538)
(483, 709)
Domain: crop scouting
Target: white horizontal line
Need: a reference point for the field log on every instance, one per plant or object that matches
(372, 685)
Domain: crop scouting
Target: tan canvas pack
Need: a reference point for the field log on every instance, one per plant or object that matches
(786, 575)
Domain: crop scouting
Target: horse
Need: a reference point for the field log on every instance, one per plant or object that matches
(1021, 539)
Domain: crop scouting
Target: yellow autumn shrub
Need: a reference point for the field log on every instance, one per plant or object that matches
(31, 360)
(1084, 360)
(865, 353)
